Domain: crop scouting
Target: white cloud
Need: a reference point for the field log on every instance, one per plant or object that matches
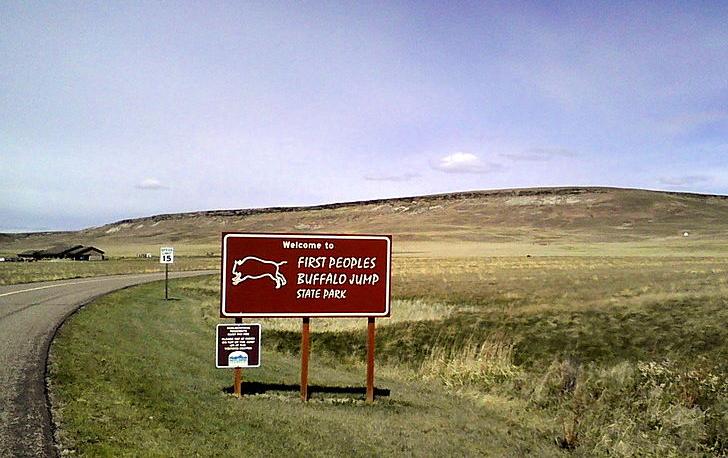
(464, 163)
(403, 177)
(151, 184)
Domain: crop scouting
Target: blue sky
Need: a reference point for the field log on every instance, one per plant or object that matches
(112, 110)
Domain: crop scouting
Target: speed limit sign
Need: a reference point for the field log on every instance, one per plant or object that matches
(166, 255)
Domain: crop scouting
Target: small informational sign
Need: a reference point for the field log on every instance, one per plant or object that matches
(238, 345)
(166, 255)
(302, 275)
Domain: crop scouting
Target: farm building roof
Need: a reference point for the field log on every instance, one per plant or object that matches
(76, 250)
(59, 250)
(28, 253)
(84, 250)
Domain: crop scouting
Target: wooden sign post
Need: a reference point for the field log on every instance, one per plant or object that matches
(305, 351)
(370, 359)
(238, 382)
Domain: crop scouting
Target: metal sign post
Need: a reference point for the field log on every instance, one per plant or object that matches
(166, 257)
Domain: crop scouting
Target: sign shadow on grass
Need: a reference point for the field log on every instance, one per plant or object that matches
(250, 388)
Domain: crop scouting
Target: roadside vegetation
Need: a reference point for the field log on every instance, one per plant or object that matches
(12, 273)
(483, 356)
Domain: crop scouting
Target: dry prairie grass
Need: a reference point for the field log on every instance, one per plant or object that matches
(607, 355)
(479, 365)
(523, 285)
(27, 272)
(407, 310)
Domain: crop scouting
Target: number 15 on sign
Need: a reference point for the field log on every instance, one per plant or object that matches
(166, 255)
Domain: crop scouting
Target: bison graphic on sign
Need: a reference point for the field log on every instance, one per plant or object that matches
(252, 268)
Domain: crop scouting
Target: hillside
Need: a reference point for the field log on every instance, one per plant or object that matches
(538, 220)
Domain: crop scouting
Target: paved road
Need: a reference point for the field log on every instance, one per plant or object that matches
(29, 317)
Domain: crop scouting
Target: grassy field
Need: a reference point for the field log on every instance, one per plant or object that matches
(514, 356)
(26, 272)
(416, 254)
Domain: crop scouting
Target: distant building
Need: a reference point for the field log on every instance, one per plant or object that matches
(88, 253)
(30, 255)
(75, 252)
(58, 251)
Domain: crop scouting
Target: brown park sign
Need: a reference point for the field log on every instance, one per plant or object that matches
(305, 275)
(238, 345)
